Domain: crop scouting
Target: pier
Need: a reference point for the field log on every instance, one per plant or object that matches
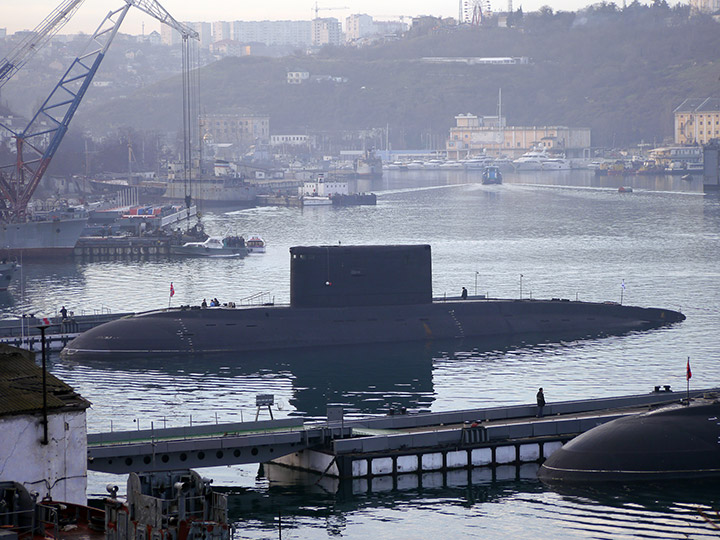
(25, 332)
(387, 446)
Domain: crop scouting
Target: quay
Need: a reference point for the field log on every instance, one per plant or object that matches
(25, 333)
(387, 446)
(121, 246)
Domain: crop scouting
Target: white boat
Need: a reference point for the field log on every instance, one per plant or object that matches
(255, 244)
(7, 271)
(451, 165)
(531, 161)
(432, 164)
(214, 246)
(477, 163)
(555, 164)
(415, 165)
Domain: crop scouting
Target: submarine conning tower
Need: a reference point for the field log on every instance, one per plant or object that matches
(342, 276)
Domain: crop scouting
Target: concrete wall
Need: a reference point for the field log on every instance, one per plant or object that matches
(57, 469)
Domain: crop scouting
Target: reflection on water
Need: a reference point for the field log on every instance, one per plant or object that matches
(468, 504)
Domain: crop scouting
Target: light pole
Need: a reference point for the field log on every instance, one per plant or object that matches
(521, 276)
(476, 276)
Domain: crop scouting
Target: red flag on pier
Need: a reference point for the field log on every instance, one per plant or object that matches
(172, 290)
(689, 372)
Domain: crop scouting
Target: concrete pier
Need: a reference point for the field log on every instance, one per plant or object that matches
(374, 447)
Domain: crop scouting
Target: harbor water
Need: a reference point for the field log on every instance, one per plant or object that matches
(565, 234)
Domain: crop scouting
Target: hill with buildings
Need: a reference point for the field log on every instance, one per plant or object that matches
(620, 72)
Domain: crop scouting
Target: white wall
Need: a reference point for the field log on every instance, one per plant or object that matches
(58, 469)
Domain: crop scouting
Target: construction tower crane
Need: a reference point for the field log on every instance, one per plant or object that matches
(37, 143)
(316, 8)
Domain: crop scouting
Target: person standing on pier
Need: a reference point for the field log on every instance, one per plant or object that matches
(463, 294)
(540, 402)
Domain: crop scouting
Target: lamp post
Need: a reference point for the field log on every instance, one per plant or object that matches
(476, 276)
(42, 329)
(521, 276)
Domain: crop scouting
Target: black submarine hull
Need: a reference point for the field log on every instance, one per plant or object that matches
(195, 330)
(347, 295)
(679, 442)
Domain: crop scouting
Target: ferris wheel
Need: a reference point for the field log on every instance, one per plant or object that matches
(474, 11)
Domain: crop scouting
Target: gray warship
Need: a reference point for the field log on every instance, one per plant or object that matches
(348, 295)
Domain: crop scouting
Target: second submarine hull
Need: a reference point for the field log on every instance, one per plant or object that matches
(193, 330)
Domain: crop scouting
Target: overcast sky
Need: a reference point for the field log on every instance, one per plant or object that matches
(27, 14)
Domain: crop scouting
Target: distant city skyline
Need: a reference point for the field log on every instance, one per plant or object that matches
(26, 15)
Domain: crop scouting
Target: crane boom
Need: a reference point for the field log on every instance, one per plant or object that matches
(37, 143)
(154, 9)
(37, 39)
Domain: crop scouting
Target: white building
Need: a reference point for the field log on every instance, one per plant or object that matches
(326, 32)
(53, 462)
(297, 77)
(221, 31)
(358, 26)
(323, 188)
(705, 6)
(294, 33)
(291, 140)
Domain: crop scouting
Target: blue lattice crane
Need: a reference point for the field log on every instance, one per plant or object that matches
(37, 143)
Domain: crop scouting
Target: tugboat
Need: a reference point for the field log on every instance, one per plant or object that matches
(492, 175)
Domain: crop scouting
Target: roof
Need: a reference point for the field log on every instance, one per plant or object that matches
(698, 105)
(21, 386)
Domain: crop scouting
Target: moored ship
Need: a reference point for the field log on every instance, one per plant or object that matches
(216, 190)
(43, 235)
(348, 295)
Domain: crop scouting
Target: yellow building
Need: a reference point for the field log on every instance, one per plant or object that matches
(697, 121)
(475, 135)
(238, 129)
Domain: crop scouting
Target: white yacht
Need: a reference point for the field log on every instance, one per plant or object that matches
(531, 161)
(556, 164)
(477, 162)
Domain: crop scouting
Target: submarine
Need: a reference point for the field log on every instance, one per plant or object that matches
(349, 295)
(676, 442)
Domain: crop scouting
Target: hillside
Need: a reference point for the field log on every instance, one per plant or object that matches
(620, 73)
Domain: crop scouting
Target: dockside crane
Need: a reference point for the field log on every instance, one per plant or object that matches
(37, 143)
(37, 39)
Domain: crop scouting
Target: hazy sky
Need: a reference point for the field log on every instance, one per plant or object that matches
(27, 14)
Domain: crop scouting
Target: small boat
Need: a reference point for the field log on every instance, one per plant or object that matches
(255, 244)
(214, 246)
(492, 175)
(7, 271)
(625, 189)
